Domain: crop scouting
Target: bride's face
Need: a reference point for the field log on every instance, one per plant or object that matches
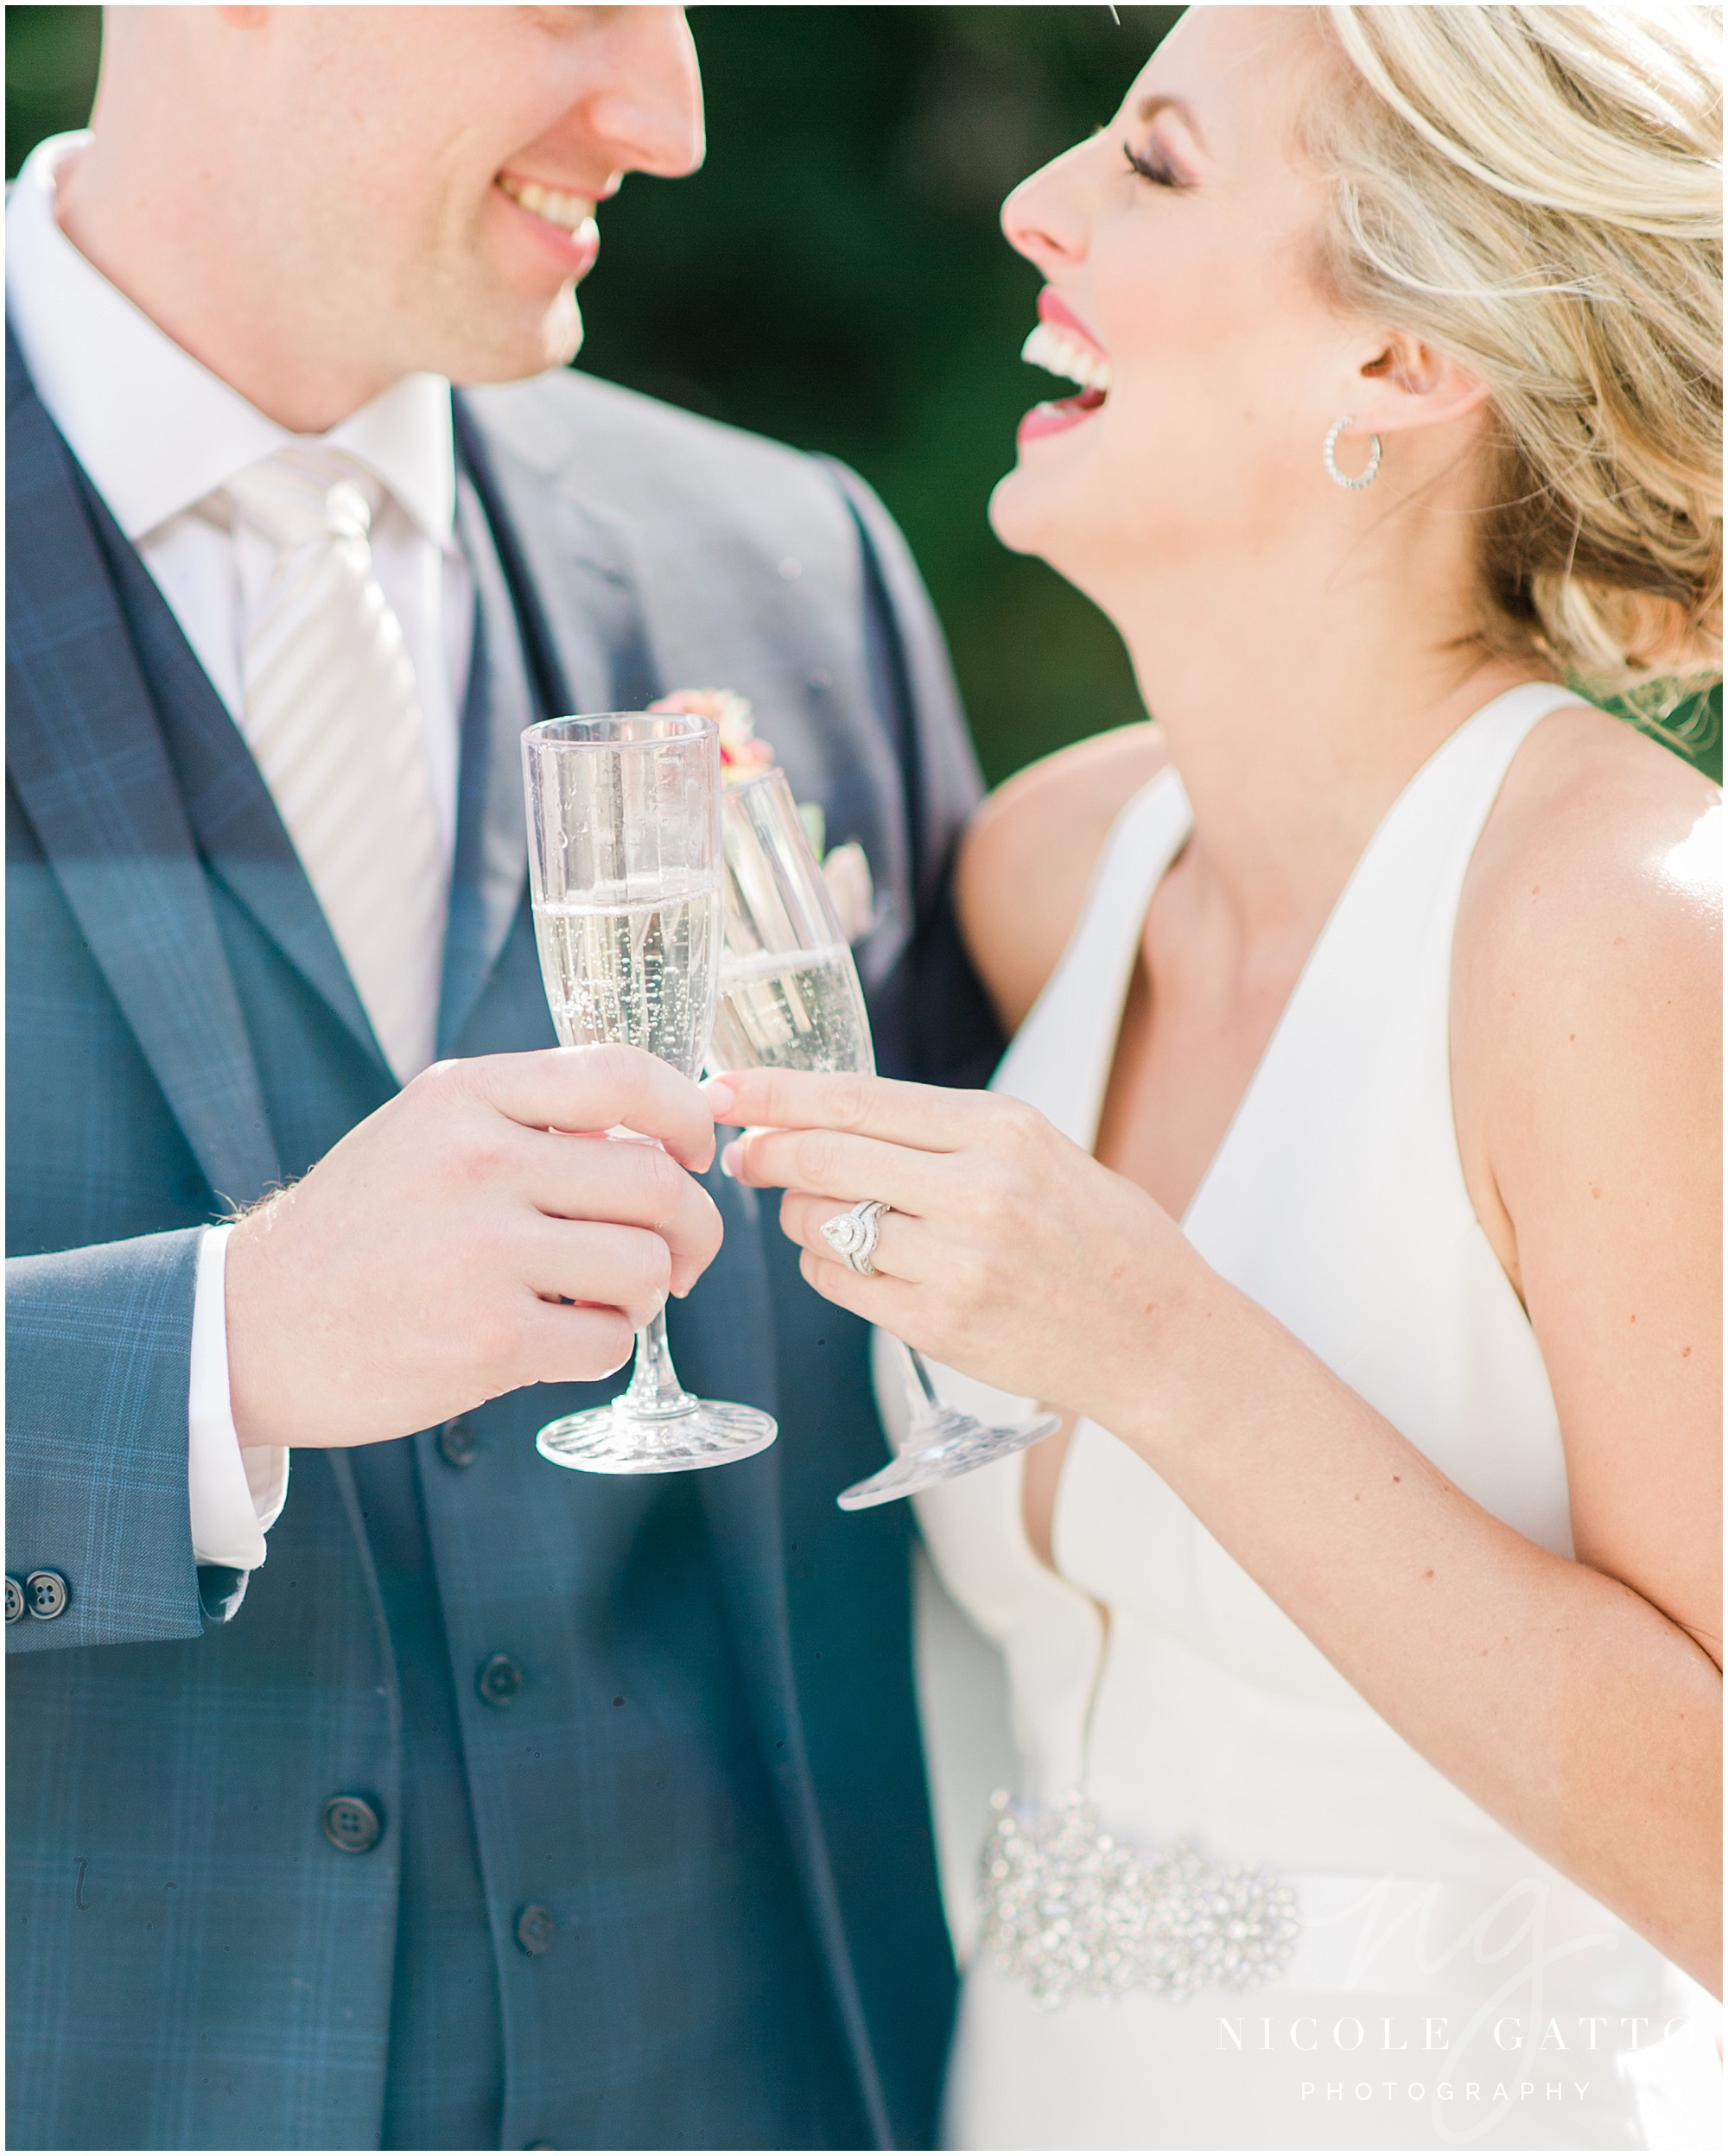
(1181, 248)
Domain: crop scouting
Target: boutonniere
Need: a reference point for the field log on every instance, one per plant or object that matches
(743, 754)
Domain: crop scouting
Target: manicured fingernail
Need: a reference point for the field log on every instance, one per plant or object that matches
(720, 1097)
(732, 1158)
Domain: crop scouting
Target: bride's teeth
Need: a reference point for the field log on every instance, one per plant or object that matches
(1056, 354)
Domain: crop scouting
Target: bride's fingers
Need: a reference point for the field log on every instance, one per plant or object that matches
(934, 1119)
(901, 1242)
(881, 1300)
(849, 1168)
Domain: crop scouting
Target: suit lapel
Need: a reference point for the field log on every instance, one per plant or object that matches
(88, 763)
(490, 871)
(571, 570)
(556, 630)
(228, 805)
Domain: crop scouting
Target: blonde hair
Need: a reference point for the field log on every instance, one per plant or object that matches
(1537, 192)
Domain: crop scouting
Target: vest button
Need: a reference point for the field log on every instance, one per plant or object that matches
(350, 1825)
(498, 1680)
(457, 1443)
(45, 1594)
(15, 1601)
(536, 1929)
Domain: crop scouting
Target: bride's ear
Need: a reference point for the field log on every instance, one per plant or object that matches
(1406, 384)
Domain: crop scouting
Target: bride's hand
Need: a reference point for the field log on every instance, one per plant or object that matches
(1008, 1253)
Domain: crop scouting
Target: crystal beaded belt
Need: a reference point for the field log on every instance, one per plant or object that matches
(1072, 1909)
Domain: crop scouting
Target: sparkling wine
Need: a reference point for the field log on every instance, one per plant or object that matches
(792, 1011)
(641, 974)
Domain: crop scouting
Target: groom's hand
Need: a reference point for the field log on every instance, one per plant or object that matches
(478, 1233)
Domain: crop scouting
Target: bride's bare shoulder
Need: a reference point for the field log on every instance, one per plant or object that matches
(1028, 858)
(1586, 972)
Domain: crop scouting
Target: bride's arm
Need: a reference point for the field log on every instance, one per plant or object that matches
(1578, 1701)
(1028, 856)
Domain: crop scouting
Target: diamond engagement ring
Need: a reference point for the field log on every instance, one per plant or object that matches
(852, 1235)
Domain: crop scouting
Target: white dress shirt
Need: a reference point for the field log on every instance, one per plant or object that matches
(157, 434)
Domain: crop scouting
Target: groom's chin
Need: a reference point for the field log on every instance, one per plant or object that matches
(551, 341)
(565, 330)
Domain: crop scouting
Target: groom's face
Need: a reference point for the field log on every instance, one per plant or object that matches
(430, 175)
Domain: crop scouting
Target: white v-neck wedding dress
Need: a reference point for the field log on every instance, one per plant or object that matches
(1445, 1986)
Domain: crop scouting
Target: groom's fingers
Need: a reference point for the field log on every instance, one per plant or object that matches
(590, 1089)
(933, 1118)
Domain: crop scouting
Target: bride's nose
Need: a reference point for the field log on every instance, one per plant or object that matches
(1045, 218)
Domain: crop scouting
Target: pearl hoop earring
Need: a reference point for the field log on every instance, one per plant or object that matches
(1337, 478)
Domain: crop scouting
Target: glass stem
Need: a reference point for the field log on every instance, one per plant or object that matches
(920, 1385)
(654, 1393)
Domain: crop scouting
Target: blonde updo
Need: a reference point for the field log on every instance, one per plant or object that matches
(1537, 192)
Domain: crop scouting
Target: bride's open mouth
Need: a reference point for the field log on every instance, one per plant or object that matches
(1062, 345)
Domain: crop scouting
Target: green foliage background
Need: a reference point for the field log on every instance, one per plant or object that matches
(834, 276)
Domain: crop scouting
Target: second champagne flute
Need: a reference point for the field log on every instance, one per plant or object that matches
(790, 997)
(624, 855)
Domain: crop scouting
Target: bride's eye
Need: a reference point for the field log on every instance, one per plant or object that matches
(1151, 166)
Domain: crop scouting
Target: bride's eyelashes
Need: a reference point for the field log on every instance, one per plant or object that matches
(1151, 166)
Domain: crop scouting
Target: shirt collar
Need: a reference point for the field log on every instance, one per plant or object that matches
(154, 429)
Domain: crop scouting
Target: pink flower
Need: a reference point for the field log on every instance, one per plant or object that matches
(741, 755)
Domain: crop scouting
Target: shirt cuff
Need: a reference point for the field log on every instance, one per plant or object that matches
(235, 1491)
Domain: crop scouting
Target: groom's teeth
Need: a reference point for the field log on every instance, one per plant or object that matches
(1056, 353)
(571, 211)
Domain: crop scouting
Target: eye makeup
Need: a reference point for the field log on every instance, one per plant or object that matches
(1151, 166)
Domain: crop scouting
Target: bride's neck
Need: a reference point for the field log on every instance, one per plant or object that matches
(1295, 719)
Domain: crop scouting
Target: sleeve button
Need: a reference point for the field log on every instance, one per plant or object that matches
(15, 1601)
(44, 1594)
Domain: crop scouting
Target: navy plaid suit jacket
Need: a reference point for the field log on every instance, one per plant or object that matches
(190, 1962)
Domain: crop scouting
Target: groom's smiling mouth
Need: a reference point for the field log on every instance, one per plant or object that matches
(565, 220)
(1062, 345)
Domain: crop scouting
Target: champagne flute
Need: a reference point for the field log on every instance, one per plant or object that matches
(624, 858)
(790, 997)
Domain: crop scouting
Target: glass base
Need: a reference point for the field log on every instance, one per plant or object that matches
(942, 1446)
(613, 1441)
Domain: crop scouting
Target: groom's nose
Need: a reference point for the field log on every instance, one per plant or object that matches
(645, 113)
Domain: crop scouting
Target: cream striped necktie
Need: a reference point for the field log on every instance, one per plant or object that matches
(332, 716)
